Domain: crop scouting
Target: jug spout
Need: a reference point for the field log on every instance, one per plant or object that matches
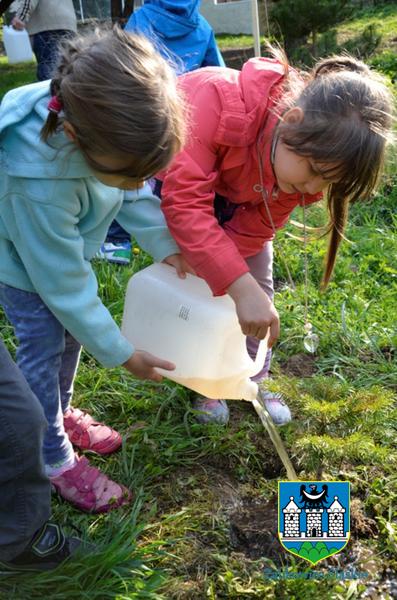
(249, 391)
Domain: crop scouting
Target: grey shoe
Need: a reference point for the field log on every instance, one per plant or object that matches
(276, 407)
(212, 411)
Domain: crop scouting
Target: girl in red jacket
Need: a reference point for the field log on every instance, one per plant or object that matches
(263, 141)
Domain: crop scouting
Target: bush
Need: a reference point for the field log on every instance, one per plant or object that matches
(297, 19)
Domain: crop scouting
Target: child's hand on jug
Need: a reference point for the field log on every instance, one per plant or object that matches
(180, 264)
(141, 364)
(255, 311)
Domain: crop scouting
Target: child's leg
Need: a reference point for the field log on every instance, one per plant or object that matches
(39, 355)
(25, 491)
(67, 374)
(83, 431)
(261, 268)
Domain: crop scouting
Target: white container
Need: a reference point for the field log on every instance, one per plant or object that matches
(17, 45)
(181, 321)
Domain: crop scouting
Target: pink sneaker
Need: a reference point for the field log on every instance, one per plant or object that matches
(87, 434)
(89, 489)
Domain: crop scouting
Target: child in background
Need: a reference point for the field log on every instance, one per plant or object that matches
(179, 32)
(263, 141)
(111, 116)
(184, 36)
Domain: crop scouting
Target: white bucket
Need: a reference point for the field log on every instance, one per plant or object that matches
(181, 321)
(17, 45)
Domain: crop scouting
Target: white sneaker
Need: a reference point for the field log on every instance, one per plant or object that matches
(212, 411)
(276, 407)
(119, 253)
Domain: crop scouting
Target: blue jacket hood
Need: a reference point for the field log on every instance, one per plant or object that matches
(23, 112)
(170, 18)
(180, 33)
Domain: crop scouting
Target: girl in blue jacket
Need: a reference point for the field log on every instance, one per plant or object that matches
(73, 154)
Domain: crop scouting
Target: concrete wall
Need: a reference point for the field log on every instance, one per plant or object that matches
(228, 17)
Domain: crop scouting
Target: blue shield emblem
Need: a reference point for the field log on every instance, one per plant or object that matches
(314, 518)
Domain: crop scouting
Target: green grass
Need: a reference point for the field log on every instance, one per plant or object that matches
(226, 41)
(192, 483)
(15, 75)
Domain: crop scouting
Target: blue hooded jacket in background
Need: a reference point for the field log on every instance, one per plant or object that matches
(177, 29)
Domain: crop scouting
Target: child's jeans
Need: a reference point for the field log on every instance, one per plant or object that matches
(48, 356)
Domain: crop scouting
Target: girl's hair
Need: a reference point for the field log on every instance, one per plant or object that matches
(121, 98)
(347, 119)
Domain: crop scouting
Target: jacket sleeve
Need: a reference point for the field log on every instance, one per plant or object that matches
(188, 198)
(25, 9)
(142, 217)
(213, 56)
(47, 241)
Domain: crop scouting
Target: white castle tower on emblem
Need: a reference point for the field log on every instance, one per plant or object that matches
(314, 510)
(291, 519)
(335, 518)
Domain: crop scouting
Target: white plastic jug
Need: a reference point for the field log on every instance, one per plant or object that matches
(179, 320)
(17, 45)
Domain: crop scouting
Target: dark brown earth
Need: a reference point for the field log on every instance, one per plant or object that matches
(299, 365)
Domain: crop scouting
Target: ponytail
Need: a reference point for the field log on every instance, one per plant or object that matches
(338, 210)
(52, 122)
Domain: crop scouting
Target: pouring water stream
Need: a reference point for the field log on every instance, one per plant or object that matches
(274, 436)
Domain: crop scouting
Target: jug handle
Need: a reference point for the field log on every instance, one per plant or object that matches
(260, 355)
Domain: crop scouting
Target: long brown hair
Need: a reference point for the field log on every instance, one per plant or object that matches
(347, 119)
(120, 96)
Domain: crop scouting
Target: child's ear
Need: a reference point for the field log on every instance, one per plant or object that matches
(293, 115)
(70, 131)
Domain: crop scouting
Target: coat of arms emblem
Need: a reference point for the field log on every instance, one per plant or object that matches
(314, 518)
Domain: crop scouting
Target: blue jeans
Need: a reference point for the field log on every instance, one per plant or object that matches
(48, 356)
(117, 234)
(46, 50)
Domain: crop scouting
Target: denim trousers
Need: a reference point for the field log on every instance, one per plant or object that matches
(24, 489)
(117, 234)
(46, 49)
(48, 356)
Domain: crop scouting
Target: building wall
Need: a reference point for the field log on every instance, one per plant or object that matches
(228, 17)
(225, 17)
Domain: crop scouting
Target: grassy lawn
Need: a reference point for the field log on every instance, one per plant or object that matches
(15, 75)
(203, 522)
